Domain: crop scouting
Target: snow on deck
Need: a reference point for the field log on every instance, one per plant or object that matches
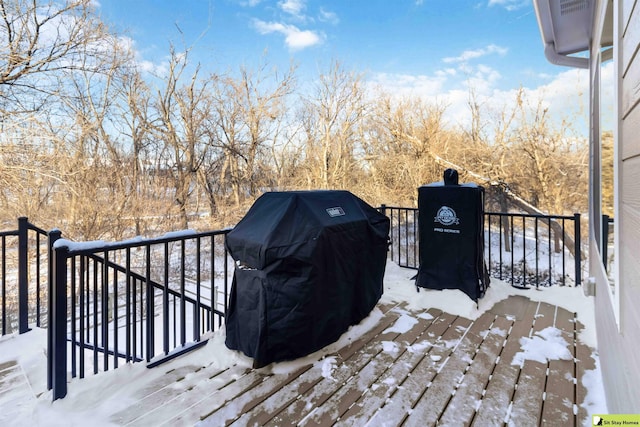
(427, 358)
(441, 369)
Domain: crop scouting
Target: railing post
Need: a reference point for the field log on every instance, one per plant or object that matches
(23, 275)
(577, 250)
(52, 237)
(605, 240)
(383, 209)
(58, 324)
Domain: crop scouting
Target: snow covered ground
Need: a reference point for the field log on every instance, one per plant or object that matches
(93, 400)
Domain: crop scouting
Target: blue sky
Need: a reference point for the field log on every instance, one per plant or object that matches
(432, 48)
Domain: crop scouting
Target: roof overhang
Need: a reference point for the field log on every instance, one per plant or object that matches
(566, 28)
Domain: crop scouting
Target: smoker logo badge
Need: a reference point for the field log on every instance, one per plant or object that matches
(337, 211)
(446, 216)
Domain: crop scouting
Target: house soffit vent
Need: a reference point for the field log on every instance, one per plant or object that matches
(571, 21)
(572, 6)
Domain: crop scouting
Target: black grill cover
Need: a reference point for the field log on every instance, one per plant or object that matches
(308, 265)
(451, 233)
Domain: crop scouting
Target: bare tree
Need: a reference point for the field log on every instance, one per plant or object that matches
(38, 39)
(332, 120)
(607, 173)
(286, 155)
(135, 124)
(109, 151)
(249, 116)
(58, 65)
(401, 134)
(183, 109)
(91, 159)
(529, 165)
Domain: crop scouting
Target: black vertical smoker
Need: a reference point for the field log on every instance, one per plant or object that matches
(451, 236)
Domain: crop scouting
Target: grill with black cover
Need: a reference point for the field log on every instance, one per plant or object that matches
(308, 265)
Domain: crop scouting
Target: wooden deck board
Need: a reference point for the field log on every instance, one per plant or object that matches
(10, 378)
(417, 382)
(245, 402)
(449, 375)
(516, 307)
(361, 381)
(409, 355)
(560, 395)
(164, 391)
(394, 408)
(352, 388)
(499, 394)
(528, 397)
(355, 401)
(468, 396)
(348, 360)
(15, 392)
(235, 381)
(566, 322)
(442, 370)
(584, 362)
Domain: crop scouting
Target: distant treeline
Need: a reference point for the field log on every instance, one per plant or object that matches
(94, 145)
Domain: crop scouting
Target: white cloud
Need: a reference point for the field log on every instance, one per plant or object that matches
(442, 88)
(295, 38)
(327, 16)
(477, 53)
(510, 5)
(158, 70)
(607, 97)
(564, 95)
(411, 85)
(144, 65)
(447, 72)
(250, 3)
(293, 7)
(483, 78)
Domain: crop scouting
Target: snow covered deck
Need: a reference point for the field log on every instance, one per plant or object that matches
(409, 369)
(519, 358)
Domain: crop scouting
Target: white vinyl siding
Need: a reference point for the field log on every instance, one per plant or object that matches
(618, 327)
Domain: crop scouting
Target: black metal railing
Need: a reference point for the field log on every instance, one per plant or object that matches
(140, 300)
(23, 277)
(533, 250)
(149, 300)
(521, 249)
(403, 234)
(607, 241)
